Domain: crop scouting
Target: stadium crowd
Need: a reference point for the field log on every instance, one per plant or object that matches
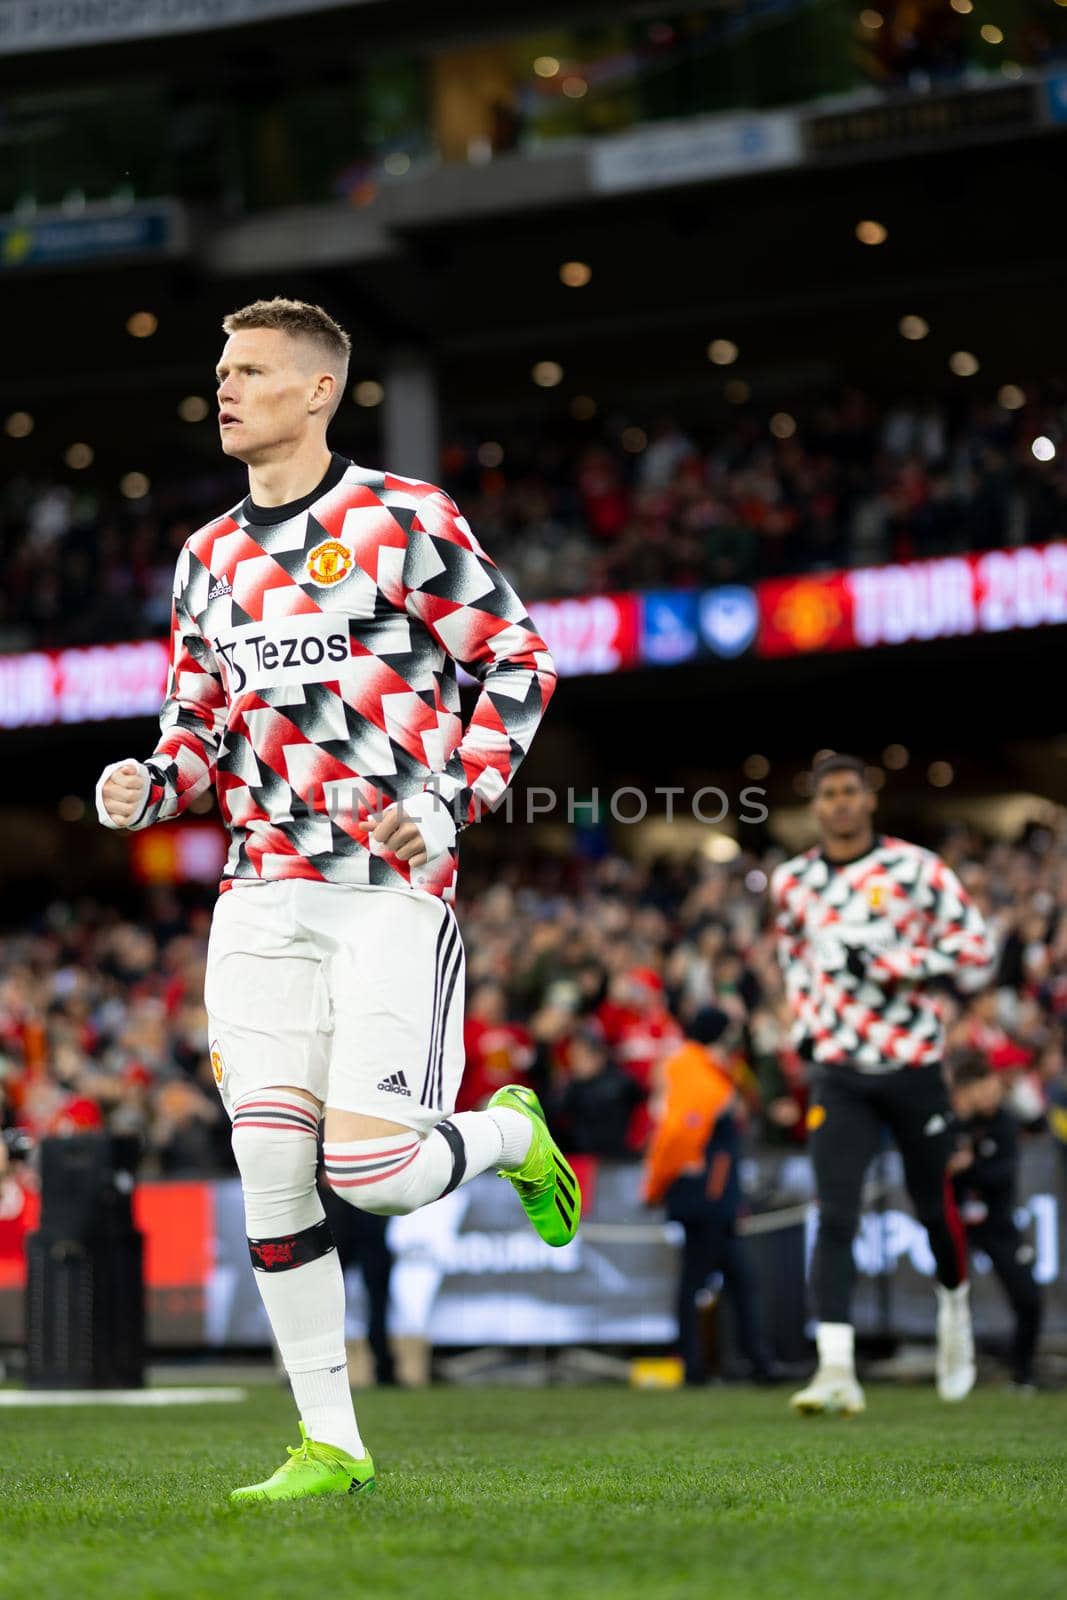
(580, 978)
(842, 484)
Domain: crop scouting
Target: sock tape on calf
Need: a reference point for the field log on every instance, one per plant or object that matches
(454, 1139)
(291, 1249)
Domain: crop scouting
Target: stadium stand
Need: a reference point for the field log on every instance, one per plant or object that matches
(102, 1022)
(841, 484)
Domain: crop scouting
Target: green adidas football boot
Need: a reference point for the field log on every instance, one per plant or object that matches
(545, 1183)
(312, 1468)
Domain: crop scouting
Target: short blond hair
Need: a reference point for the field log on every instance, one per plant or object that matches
(301, 320)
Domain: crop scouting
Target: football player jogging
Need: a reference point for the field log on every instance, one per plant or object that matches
(316, 631)
(863, 923)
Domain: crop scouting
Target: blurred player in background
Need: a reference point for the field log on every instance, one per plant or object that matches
(864, 923)
(316, 628)
(985, 1168)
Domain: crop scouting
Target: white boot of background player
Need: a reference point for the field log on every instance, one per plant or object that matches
(955, 1343)
(834, 1386)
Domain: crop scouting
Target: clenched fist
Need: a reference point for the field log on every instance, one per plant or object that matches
(417, 830)
(397, 833)
(121, 793)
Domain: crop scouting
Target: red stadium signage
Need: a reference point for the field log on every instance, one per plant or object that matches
(601, 633)
(101, 683)
(953, 597)
(960, 595)
(96, 684)
(799, 616)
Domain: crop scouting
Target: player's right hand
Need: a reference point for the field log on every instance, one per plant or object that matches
(121, 793)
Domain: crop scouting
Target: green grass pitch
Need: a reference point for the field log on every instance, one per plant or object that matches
(566, 1492)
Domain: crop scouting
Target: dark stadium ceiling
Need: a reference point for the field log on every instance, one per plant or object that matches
(976, 246)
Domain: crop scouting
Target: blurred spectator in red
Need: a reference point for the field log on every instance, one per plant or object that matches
(497, 1051)
(18, 1209)
(604, 496)
(980, 1029)
(638, 1029)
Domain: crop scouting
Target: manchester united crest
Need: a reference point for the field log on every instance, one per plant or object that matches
(329, 562)
(218, 1066)
(808, 614)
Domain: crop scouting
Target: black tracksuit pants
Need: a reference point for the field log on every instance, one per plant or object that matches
(712, 1245)
(846, 1119)
(1006, 1248)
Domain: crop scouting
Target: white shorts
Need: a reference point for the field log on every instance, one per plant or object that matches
(353, 994)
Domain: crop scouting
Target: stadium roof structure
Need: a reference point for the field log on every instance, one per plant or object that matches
(299, 26)
(739, 228)
(769, 263)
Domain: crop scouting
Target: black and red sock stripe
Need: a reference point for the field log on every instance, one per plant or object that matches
(269, 1109)
(348, 1169)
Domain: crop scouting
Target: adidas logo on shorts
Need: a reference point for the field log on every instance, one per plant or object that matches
(396, 1083)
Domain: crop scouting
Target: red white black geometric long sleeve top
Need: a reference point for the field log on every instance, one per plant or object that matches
(313, 678)
(858, 943)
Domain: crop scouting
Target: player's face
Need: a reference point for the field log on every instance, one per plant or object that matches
(963, 1101)
(842, 805)
(264, 385)
(989, 1095)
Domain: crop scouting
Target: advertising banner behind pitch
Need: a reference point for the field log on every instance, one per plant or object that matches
(470, 1270)
(950, 597)
(694, 150)
(59, 24)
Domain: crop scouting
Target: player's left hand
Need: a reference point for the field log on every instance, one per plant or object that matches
(398, 834)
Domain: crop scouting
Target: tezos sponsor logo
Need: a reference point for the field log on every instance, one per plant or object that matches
(288, 650)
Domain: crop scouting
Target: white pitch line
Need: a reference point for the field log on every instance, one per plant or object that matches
(121, 1397)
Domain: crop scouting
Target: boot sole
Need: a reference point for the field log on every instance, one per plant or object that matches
(814, 1408)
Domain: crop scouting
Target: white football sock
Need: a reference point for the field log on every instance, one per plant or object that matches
(306, 1308)
(274, 1141)
(393, 1176)
(835, 1342)
(516, 1131)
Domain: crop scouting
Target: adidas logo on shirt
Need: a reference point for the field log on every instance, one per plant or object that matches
(219, 590)
(396, 1083)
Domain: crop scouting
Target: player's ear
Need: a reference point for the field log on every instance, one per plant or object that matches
(323, 393)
